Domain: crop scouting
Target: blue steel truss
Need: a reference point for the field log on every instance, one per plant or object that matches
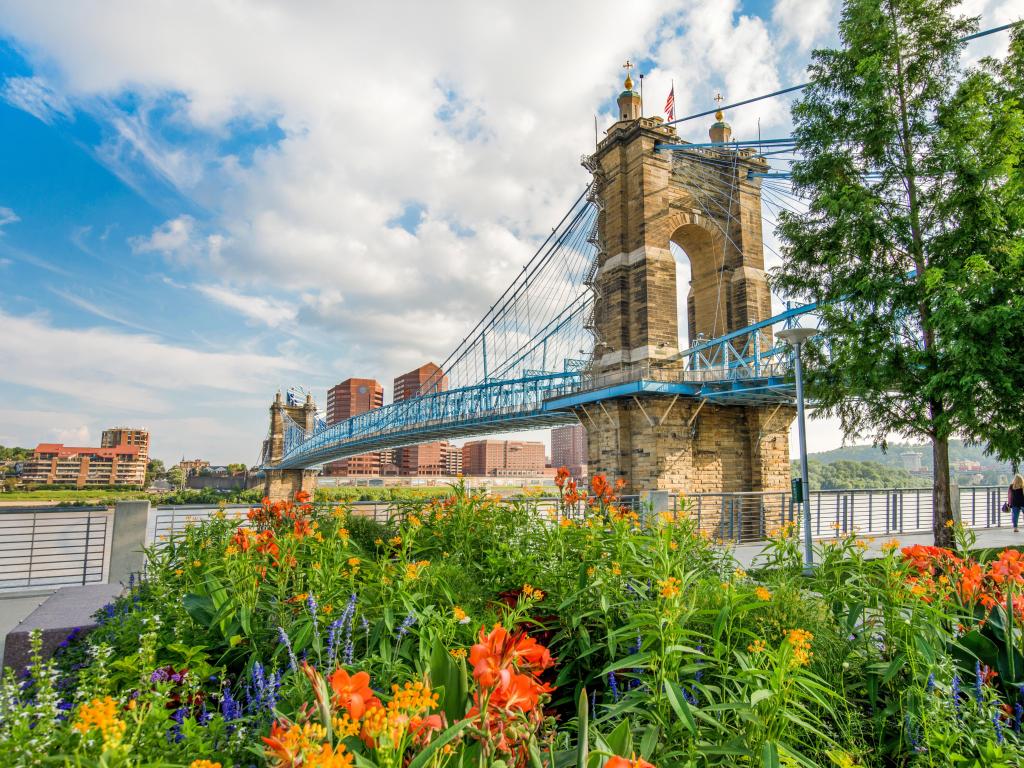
(738, 368)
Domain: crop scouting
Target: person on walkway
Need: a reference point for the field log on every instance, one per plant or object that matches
(1015, 499)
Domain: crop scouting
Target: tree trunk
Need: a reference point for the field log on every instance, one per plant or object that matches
(942, 506)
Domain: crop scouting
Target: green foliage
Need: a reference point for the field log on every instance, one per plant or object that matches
(911, 241)
(854, 474)
(15, 454)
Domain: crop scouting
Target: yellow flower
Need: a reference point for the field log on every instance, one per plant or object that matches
(316, 566)
(231, 550)
(460, 615)
(203, 764)
(739, 573)
(343, 534)
(345, 726)
(949, 523)
(395, 541)
(616, 569)
(458, 653)
(669, 587)
(100, 715)
(378, 542)
(756, 647)
(531, 593)
(353, 561)
(800, 641)
(591, 571)
(414, 521)
(763, 594)
(327, 609)
(673, 545)
(565, 522)
(197, 563)
(891, 546)
(178, 571)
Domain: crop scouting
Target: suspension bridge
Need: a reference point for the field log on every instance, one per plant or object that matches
(588, 331)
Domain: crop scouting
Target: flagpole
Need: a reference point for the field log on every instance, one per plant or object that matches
(641, 94)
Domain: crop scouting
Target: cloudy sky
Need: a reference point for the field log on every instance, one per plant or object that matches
(201, 202)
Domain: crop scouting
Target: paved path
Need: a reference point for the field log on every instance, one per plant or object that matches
(14, 608)
(745, 554)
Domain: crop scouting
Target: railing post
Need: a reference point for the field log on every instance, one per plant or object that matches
(85, 555)
(128, 539)
(31, 548)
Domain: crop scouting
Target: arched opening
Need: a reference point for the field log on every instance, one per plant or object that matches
(702, 292)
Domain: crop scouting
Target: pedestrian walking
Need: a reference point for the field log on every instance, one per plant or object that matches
(1015, 499)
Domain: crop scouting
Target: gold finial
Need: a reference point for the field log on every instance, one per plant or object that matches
(719, 98)
(629, 80)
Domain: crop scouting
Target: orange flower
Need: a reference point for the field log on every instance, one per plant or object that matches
(622, 762)
(353, 693)
(561, 476)
(1008, 567)
(499, 653)
(302, 497)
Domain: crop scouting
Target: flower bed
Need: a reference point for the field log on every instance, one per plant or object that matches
(484, 634)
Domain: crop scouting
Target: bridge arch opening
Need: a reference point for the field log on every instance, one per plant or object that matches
(702, 296)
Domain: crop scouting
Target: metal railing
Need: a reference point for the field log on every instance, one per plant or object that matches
(730, 516)
(750, 517)
(54, 546)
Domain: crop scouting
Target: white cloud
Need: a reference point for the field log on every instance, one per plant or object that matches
(35, 96)
(804, 22)
(258, 308)
(180, 241)
(137, 372)
(7, 216)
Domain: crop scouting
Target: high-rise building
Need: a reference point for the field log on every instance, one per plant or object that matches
(569, 449)
(120, 460)
(118, 436)
(425, 459)
(345, 400)
(503, 458)
(452, 460)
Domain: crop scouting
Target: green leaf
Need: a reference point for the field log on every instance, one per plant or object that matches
(199, 608)
(769, 755)
(649, 741)
(445, 737)
(760, 695)
(621, 739)
(679, 705)
(583, 730)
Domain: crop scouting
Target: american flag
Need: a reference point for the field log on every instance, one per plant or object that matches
(670, 103)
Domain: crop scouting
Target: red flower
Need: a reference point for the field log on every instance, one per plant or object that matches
(561, 476)
(498, 654)
(622, 762)
(353, 693)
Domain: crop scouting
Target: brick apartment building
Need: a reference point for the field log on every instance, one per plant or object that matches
(503, 458)
(569, 449)
(425, 459)
(121, 459)
(345, 400)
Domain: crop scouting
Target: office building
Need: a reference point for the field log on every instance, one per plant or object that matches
(503, 458)
(425, 459)
(569, 449)
(345, 400)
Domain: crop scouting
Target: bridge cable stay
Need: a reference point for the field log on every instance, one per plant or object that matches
(801, 86)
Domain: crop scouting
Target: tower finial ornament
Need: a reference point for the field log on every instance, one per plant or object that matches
(719, 98)
(629, 80)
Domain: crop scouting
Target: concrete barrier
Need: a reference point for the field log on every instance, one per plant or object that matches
(67, 609)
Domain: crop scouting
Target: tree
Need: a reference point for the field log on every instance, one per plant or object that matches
(176, 477)
(235, 469)
(155, 471)
(887, 245)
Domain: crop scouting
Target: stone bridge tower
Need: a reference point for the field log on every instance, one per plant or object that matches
(705, 202)
(283, 484)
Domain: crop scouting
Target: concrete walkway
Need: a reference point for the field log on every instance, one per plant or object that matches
(988, 538)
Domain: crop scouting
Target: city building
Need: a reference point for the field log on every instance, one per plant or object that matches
(452, 460)
(569, 449)
(190, 467)
(425, 459)
(503, 458)
(345, 400)
(118, 436)
(120, 460)
(911, 461)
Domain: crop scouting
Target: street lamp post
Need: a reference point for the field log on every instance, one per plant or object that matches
(797, 337)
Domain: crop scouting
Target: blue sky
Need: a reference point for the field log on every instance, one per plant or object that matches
(203, 202)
